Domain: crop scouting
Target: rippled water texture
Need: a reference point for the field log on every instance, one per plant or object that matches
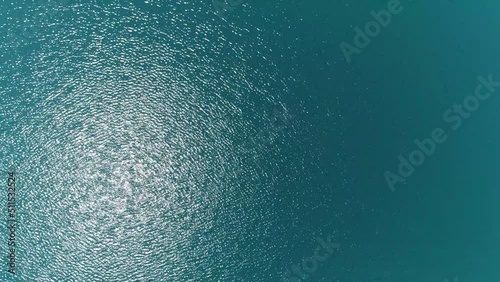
(127, 125)
(159, 140)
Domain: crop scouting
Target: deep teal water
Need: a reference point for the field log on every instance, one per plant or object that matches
(162, 141)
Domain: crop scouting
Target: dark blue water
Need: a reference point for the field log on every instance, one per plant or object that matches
(235, 141)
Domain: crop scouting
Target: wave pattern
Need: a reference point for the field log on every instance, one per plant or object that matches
(125, 124)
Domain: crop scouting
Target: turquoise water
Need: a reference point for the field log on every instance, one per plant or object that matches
(174, 141)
